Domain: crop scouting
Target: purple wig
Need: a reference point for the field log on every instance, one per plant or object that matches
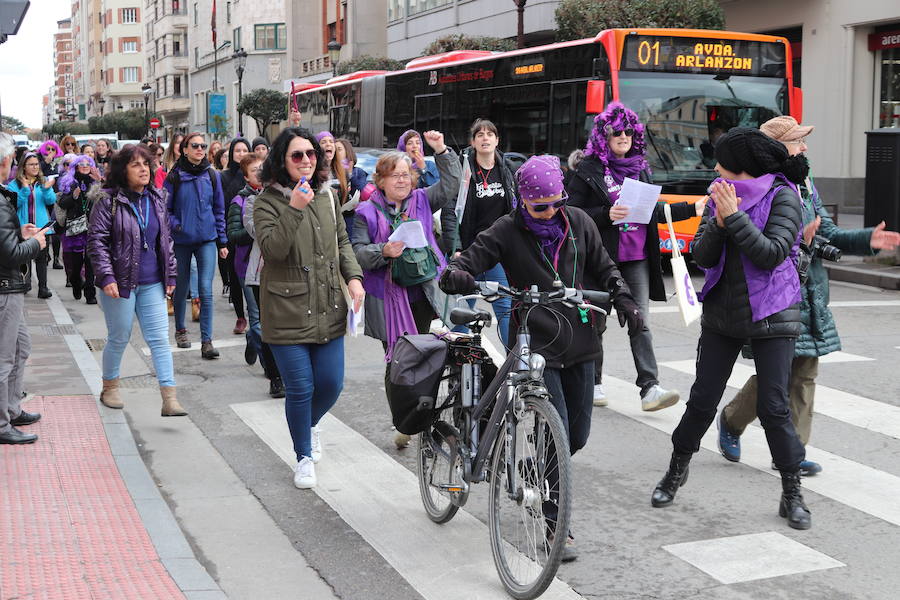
(616, 117)
(67, 180)
(49, 144)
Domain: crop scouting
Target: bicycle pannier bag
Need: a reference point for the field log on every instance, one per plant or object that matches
(416, 367)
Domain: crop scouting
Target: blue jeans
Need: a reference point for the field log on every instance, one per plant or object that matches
(313, 376)
(206, 265)
(254, 332)
(195, 292)
(148, 302)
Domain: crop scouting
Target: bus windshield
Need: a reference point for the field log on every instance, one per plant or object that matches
(685, 114)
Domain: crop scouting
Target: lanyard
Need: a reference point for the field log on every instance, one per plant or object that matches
(143, 217)
(554, 266)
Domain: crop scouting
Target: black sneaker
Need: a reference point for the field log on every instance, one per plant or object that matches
(570, 550)
(44, 293)
(250, 354)
(276, 388)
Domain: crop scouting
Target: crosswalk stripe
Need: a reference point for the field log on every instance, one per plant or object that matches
(379, 499)
(851, 483)
(842, 357)
(849, 408)
(195, 346)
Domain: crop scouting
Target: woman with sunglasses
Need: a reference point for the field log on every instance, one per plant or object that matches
(35, 197)
(69, 145)
(615, 151)
(395, 307)
(197, 215)
(543, 243)
(303, 312)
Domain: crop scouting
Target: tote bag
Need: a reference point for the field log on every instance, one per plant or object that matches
(688, 303)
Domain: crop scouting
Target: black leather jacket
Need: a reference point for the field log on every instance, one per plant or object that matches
(15, 253)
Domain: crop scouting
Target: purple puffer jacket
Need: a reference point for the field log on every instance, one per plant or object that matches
(115, 247)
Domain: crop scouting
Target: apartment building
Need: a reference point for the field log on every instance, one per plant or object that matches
(63, 92)
(166, 51)
(122, 66)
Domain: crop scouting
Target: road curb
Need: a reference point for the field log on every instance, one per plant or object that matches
(173, 548)
(886, 277)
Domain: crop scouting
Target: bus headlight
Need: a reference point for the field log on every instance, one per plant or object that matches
(536, 364)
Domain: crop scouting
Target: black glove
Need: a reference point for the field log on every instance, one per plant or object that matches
(628, 312)
(457, 281)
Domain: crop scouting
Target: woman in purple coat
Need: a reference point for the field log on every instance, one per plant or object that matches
(130, 248)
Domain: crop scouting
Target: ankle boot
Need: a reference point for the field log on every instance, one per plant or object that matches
(674, 478)
(110, 394)
(170, 405)
(792, 506)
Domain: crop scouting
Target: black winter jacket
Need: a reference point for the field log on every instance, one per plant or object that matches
(15, 252)
(468, 224)
(234, 221)
(587, 190)
(511, 244)
(726, 308)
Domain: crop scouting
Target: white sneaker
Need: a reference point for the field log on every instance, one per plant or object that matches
(600, 396)
(305, 474)
(401, 440)
(658, 398)
(316, 444)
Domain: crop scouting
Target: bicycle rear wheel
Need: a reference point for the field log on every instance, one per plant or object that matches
(439, 467)
(539, 503)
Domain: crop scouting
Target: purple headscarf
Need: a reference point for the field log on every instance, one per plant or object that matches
(322, 135)
(617, 117)
(401, 143)
(540, 177)
(68, 181)
(49, 144)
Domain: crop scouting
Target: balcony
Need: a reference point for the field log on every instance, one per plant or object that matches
(172, 104)
(171, 64)
(171, 22)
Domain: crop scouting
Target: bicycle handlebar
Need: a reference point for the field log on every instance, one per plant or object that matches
(587, 299)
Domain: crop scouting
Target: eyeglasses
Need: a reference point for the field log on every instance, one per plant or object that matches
(629, 132)
(196, 145)
(400, 177)
(539, 208)
(297, 155)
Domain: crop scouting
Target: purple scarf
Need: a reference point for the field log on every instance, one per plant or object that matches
(549, 232)
(620, 168)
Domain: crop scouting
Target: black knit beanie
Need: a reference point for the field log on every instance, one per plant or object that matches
(257, 141)
(748, 150)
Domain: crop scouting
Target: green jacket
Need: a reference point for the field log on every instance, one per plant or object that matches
(301, 301)
(818, 334)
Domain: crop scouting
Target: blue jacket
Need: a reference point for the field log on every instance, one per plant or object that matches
(196, 213)
(43, 197)
(429, 175)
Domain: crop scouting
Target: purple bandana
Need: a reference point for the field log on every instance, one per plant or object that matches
(322, 135)
(540, 177)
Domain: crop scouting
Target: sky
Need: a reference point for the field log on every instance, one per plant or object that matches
(26, 61)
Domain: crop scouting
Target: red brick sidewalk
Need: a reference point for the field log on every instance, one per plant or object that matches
(69, 529)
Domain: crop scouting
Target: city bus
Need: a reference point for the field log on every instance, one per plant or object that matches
(687, 86)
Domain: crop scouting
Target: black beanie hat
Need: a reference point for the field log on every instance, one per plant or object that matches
(748, 150)
(257, 141)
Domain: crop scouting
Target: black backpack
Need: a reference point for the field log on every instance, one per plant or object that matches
(416, 367)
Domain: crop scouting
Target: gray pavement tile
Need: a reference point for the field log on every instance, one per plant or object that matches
(138, 481)
(163, 528)
(121, 442)
(189, 574)
(205, 595)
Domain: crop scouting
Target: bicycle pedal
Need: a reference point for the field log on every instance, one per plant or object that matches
(446, 431)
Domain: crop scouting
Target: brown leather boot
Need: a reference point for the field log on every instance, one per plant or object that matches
(110, 395)
(170, 405)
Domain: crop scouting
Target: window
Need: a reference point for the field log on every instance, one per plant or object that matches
(196, 57)
(176, 46)
(130, 75)
(417, 6)
(196, 14)
(128, 47)
(228, 13)
(129, 15)
(236, 38)
(272, 36)
(176, 86)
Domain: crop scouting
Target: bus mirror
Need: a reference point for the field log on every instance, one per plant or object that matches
(797, 105)
(596, 96)
(601, 68)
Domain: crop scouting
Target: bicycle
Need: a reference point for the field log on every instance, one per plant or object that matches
(510, 435)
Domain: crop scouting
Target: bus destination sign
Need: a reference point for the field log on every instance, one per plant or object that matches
(702, 55)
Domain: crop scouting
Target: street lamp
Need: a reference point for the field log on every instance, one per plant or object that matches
(147, 90)
(71, 114)
(334, 54)
(101, 101)
(240, 61)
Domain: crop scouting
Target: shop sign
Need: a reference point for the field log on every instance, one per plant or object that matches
(884, 40)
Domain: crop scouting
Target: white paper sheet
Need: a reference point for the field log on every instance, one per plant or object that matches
(354, 320)
(640, 198)
(411, 234)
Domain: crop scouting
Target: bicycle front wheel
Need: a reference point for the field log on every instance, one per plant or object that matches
(530, 498)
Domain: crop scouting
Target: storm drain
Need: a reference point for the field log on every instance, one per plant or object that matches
(58, 330)
(95, 344)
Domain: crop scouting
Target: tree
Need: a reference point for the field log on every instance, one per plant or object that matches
(12, 125)
(130, 124)
(264, 106)
(61, 128)
(461, 41)
(367, 62)
(576, 19)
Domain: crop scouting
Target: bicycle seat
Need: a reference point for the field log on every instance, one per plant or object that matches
(464, 316)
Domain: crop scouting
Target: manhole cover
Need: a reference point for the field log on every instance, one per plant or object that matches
(149, 381)
(58, 330)
(95, 344)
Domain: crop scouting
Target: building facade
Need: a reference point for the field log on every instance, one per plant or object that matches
(849, 59)
(166, 49)
(63, 91)
(122, 65)
(256, 26)
(413, 24)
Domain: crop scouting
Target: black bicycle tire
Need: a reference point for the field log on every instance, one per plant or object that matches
(437, 515)
(548, 572)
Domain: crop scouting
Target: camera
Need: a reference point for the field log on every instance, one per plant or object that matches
(821, 247)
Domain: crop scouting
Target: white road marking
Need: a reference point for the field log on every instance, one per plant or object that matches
(195, 345)
(851, 409)
(842, 357)
(851, 483)
(750, 557)
(380, 500)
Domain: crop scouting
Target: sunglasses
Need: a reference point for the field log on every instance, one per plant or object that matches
(297, 156)
(196, 145)
(539, 208)
(628, 132)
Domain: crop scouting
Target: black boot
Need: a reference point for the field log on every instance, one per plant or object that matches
(792, 506)
(674, 478)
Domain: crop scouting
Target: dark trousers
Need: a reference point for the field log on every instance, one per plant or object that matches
(266, 358)
(40, 267)
(73, 262)
(572, 394)
(55, 243)
(716, 354)
(235, 293)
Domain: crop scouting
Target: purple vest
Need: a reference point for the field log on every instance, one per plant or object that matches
(241, 253)
(417, 207)
(770, 291)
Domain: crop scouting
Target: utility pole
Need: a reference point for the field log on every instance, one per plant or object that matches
(520, 33)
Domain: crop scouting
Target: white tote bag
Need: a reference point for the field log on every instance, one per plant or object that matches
(688, 303)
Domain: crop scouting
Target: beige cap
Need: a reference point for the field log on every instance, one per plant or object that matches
(785, 129)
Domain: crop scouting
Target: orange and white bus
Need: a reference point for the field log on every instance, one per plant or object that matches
(687, 86)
